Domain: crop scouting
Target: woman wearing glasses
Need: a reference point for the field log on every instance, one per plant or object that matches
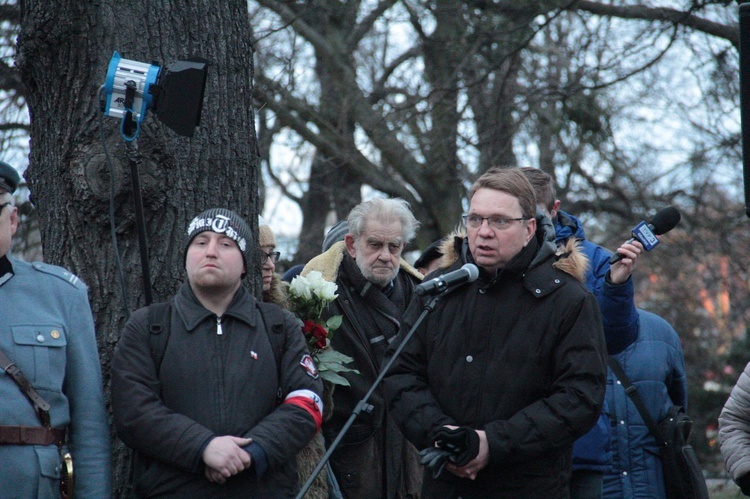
(275, 291)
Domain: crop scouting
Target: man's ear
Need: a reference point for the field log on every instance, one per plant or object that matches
(13, 221)
(349, 241)
(555, 209)
(530, 230)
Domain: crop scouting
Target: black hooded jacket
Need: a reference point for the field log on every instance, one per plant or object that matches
(520, 355)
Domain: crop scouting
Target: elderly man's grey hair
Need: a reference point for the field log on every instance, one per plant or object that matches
(385, 211)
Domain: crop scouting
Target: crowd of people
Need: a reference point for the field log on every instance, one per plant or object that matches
(497, 387)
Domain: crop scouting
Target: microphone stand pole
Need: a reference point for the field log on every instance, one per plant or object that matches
(363, 405)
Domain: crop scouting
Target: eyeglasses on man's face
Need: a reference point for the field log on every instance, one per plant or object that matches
(497, 223)
(273, 255)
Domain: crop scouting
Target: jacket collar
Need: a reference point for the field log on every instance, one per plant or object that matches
(537, 278)
(328, 263)
(567, 226)
(6, 269)
(192, 313)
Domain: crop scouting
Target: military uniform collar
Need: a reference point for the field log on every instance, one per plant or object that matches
(6, 269)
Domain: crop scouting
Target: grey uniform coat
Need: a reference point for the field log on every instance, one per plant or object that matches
(46, 328)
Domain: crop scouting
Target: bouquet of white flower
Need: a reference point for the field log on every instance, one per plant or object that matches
(308, 298)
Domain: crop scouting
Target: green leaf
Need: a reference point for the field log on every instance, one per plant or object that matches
(330, 355)
(337, 367)
(334, 378)
(334, 322)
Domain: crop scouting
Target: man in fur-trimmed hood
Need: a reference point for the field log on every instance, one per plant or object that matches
(375, 285)
(507, 371)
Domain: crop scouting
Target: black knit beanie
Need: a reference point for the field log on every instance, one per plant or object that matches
(227, 223)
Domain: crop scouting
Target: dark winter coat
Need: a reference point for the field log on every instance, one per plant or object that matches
(373, 459)
(656, 367)
(519, 355)
(211, 385)
(309, 457)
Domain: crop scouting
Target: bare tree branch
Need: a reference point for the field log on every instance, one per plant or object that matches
(663, 14)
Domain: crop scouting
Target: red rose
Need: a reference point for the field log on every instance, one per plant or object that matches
(308, 326)
(316, 331)
(321, 334)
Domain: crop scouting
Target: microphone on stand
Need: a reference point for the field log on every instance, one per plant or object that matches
(468, 273)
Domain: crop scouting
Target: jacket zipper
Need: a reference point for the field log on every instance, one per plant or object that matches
(218, 326)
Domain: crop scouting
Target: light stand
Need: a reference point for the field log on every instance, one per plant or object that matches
(176, 95)
(363, 404)
(134, 157)
(129, 130)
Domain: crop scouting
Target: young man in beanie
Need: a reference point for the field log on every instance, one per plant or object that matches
(233, 395)
(47, 331)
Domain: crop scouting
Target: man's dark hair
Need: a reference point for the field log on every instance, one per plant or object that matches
(543, 186)
(511, 181)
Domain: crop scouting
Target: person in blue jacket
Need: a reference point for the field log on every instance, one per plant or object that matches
(613, 288)
(655, 365)
(47, 330)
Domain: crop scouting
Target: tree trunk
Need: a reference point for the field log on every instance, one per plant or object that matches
(63, 53)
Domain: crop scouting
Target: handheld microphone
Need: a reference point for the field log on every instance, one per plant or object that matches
(468, 273)
(645, 233)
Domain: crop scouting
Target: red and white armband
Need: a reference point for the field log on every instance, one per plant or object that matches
(309, 401)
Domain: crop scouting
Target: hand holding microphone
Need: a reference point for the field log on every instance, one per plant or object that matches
(646, 232)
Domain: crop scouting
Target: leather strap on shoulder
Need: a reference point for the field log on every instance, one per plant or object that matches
(40, 405)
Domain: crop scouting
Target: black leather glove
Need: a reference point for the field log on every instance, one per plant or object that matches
(461, 442)
(744, 483)
(435, 459)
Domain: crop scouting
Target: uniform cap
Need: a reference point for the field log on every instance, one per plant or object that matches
(9, 178)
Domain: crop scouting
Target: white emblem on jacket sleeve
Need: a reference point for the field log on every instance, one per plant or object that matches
(309, 366)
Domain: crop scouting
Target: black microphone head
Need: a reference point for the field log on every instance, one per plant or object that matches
(665, 220)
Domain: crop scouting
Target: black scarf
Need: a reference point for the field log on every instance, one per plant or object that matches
(379, 314)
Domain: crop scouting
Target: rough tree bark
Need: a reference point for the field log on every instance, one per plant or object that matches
(332, 185)
(63, 51)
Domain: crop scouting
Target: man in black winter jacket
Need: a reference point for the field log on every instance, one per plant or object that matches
(233, 395)
(508, 370)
